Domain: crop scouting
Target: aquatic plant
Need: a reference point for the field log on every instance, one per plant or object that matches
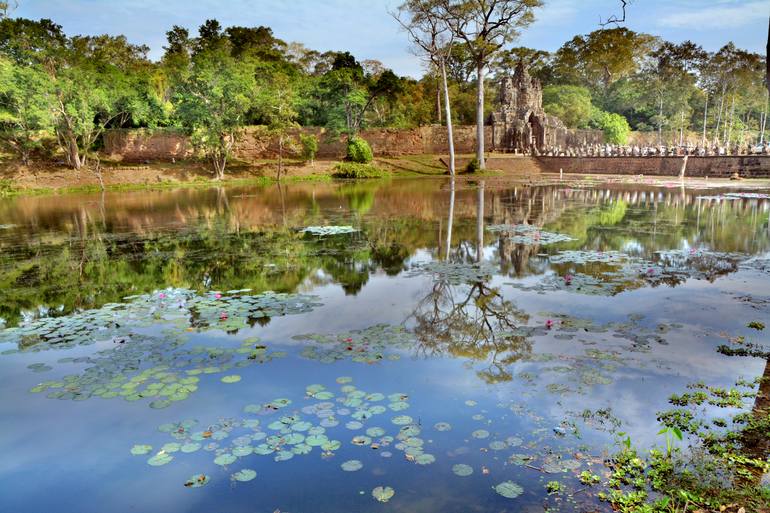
(325, 231)
(527, 234)
(454, 273)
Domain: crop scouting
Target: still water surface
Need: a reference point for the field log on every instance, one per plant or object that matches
(505, 329)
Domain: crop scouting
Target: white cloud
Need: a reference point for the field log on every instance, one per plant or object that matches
(716, 16)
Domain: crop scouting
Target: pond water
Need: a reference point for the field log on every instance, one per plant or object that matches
(403, 346)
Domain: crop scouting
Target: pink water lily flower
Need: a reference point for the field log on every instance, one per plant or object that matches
(549, 324)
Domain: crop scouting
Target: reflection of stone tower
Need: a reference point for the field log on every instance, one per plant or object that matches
(520, 123)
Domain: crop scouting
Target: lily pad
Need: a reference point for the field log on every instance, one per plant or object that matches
(480, 433)
(160, 459)
(352, 466)
(244, 475)
(509, 489)
(383, 493)
(197, 481)
(234, 378)
(225, 459)
(402, 420)
(462, 470)
(139, 450)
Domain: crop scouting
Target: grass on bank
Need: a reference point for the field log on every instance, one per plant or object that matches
(408, 166)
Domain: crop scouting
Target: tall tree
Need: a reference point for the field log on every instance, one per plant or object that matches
(25, 99)
(429, 32)
(485, 26)
(212, 104)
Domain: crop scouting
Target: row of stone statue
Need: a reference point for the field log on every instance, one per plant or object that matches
(610, 150)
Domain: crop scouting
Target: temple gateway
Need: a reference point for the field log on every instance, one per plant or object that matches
(521, 125)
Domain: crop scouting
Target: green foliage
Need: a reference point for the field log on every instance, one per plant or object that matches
(355, 170)
(553, 487)
(69, 89)
(473, 166)
(25, 118)
(588, 478)
(600, 58)
(671, 434)
(614, 126)
(359, 151)
(571, 104)
(756, 325)
(309, 144)
(213, 102)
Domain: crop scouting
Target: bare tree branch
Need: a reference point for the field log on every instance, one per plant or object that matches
(614, 19)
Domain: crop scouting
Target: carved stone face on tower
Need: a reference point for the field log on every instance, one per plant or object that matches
(520, 122)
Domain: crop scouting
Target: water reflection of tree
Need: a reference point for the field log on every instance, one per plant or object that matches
(471, 320)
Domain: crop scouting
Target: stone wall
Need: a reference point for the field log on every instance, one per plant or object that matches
(256, 143)
(715, 167)
(141, 144)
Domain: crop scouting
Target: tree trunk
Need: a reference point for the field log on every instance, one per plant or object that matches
(73, 154)
(684, 168)
(660, 122)
(764, 120)
(438, 98)
(729, 134)
(280, 157)
(705, 122)
(449, 128)
(719, 117)
(480, 116)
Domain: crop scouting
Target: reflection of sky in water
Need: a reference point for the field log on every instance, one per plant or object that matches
(74, 455)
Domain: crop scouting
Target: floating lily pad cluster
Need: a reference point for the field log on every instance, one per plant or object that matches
(736, 196)
(324, 231)
(275, 430)
(528, 234)
(162, 370)
(628, 273)
(181, 308)
(455, 273)
(757, 264)
(370, 345)
(584, 257)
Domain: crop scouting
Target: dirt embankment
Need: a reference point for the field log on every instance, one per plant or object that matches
(49, 176)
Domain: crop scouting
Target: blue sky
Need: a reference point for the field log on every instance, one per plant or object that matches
(364, 27)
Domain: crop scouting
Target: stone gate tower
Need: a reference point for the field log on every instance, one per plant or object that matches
(520, 123)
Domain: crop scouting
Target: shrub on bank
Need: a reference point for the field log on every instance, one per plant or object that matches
(359, 150)
(473, 166)
(309, 144)
(354, 170)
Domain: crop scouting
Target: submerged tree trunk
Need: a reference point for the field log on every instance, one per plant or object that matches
(480, 116)
(449, 128)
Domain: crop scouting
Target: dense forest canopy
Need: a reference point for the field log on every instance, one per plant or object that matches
(214, 81)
